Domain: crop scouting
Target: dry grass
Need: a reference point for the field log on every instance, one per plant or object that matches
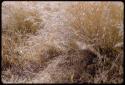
(18, 22)
(99, 24)
(21, 22)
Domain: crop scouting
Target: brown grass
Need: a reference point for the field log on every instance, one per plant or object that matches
(98, 24)
(18, 22)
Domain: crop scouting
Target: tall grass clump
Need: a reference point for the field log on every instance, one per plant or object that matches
(98, 24)
(19, 20)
